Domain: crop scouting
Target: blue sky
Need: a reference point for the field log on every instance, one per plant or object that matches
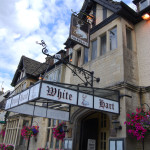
(23, 22)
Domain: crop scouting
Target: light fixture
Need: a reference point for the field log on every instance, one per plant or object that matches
(116, 124)
(40, 77)
(146, 16)
(65, 128)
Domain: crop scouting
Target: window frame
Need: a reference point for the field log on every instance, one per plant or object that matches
(101, 51)
(116, 40)
(93, 57)
(130, 39)
(116, 140)
(86, 49)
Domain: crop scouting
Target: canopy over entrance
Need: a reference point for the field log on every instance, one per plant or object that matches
(47, 98)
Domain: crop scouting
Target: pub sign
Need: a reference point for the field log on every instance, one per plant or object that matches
(79, 31)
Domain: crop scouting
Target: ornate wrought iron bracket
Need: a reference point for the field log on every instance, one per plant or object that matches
(77, 71)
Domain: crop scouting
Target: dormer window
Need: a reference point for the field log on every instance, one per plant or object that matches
(144, 4)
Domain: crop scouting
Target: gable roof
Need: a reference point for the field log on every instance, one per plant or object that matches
(119, 8)
(31, 67)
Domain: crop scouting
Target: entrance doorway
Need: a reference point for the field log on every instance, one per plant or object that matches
(94, 132)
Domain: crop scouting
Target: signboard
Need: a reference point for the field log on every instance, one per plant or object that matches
(41, 112)
(8, 104)
(15, 100)
(54, 93)
(24, 97)
(59, 94)
(79, 31)
(91, 144)
(34, 91)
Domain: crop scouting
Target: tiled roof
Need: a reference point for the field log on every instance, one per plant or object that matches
(110, 4)
(33, 67)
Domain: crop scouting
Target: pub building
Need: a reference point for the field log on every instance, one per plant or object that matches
(114, 45)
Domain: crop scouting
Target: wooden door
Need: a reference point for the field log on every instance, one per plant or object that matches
(89, 130)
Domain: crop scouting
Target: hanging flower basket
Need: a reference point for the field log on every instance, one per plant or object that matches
(2, 146)
(138, 124)
(35, 130)
(27, 132)
(8, 147)
(58, 132)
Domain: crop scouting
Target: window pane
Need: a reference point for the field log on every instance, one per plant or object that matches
(103, 45)
(54, 122)
(119, 145)
(112, 145)
(79, 58)
(143, 4)
(94, 49)
(113, 38)
(70, 144)
(104, 13)
(48, 134)
(129, 38)
(49, 122)
(51, 145)
(57, 143)
(86, 51)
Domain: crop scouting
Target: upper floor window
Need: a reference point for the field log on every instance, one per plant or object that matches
(144, 4)
(86, 51)
(78, 57)
(24, 86)
(104, 13)
(129, 38)
(94, 49)
(103, 44)
(113, 38)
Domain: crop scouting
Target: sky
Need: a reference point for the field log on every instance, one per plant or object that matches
(23, 22)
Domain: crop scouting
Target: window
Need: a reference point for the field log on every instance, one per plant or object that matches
(144, 4)
(129, 38)
(52, 141)
(57, 144)
(104, 13)
(116, 144)
(113, 38)
(86, 51)
(103, 45)
(22, 140)
(94, 49)
(24, 86)
(78, 57)
(54, 122)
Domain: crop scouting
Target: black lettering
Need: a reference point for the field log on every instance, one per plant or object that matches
(70, 97)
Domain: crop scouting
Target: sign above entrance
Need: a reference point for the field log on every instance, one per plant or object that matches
(51, 92)
(79, 31)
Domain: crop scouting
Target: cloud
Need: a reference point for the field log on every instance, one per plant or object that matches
(23, 22)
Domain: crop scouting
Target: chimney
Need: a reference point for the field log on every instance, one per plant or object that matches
(49, 60)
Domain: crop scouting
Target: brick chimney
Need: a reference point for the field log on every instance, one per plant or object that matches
(49, 60)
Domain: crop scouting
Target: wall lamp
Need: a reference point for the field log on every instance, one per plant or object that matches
(146, 16)
(116, 124)
(64, 127)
